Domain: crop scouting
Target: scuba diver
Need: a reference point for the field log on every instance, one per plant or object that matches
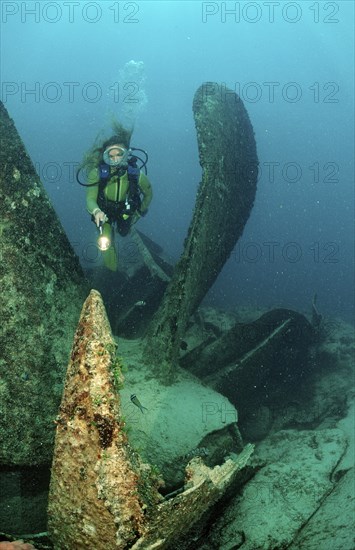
(118, 192)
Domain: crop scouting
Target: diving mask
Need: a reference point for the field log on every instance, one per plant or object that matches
(115, 155)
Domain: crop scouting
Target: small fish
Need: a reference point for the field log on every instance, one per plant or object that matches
(137, 403)
(140, 303)
(183, 345)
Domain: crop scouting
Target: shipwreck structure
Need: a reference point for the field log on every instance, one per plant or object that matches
(256, 363)
(224, 201)
(112, 500)
(105, 491)
(102, 495)
(42, 291)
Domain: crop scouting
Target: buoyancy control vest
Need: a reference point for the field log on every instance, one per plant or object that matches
(117, 210)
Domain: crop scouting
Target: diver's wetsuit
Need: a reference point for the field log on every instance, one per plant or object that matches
(112, 203)
(115, 192)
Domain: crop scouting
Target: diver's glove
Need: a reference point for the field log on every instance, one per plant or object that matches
(99, 216)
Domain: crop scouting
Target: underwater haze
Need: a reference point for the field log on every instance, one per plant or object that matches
(70, 68)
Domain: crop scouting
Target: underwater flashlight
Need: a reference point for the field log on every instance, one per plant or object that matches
(103, 242)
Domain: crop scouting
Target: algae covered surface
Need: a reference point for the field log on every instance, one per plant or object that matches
(42, 290)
